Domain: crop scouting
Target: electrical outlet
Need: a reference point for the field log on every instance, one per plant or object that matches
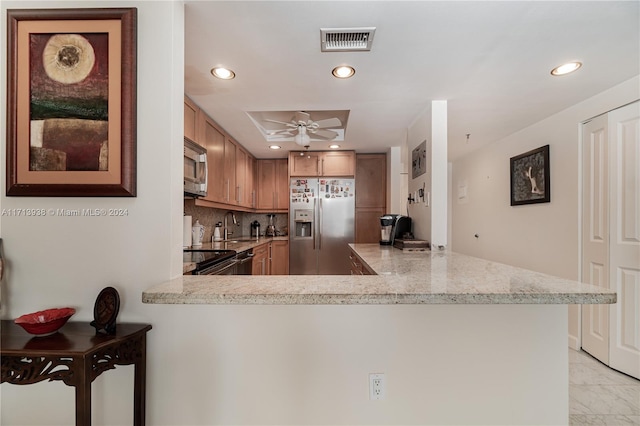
(376, 386)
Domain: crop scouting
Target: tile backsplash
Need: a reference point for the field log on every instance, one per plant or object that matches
(208, 218)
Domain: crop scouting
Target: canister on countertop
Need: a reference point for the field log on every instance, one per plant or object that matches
(217, 233)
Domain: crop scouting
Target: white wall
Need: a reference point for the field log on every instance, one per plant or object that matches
(541, 237)
(66, 261)
(429, 215)
(419, 131)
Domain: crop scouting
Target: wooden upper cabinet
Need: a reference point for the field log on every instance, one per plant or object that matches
(321, 163)
(230, 171)
(241, 177)
(273, 185)
(266, 184)
(222, 186)
(191, 118)
(245, 165)
(302, 164)
(338, 163)
(250, 186)
(214, 141)
(230, 167)
(282, 184)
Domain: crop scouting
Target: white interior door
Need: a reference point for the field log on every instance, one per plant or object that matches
(624, 140)
(595, 234)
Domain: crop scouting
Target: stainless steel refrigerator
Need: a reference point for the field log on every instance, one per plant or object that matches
(321, 225)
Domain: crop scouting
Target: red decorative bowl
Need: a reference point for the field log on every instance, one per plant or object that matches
(43, 323)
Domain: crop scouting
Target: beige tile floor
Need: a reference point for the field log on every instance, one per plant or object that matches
(599, 395)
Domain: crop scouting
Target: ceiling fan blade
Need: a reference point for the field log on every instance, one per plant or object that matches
(301, 117)
(329, 123)
(283, 132)
(324, 134)
(284, 123)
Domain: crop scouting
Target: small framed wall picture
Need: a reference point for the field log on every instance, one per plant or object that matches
(419, 160)
(530, 181)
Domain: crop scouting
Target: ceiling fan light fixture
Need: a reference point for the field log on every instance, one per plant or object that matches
(302, 139)
(343, 71)
(223, 73)
(567, 68)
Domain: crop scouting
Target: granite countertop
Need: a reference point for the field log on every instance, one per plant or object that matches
(242, 244)
(403, 278)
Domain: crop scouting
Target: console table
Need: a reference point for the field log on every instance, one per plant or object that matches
(76, 355)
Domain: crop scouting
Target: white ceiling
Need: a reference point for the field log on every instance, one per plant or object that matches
(490, 60)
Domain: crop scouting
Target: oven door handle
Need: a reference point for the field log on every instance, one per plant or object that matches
(231, 265)
(218, 269)
(249, 258)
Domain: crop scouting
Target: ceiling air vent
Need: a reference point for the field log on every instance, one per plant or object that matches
(346, 39)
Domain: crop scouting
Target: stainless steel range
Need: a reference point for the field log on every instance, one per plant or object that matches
(212, 262)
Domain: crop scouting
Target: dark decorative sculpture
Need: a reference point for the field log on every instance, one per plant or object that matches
(105, 311)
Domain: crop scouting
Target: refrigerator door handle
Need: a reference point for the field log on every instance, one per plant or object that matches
(320, 226)
(315, 226)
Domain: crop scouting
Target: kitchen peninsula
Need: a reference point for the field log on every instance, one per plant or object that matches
(402, 278)
(471, 341)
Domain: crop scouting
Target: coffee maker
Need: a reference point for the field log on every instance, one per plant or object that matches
(393, 226)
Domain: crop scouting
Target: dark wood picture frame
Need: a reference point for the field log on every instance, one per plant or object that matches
(71, 119)
(530, 180)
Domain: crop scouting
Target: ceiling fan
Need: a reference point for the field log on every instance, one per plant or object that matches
(302, 128)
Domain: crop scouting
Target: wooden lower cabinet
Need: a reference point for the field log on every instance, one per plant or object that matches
(260, 264)
(358, 267)
(280, 257)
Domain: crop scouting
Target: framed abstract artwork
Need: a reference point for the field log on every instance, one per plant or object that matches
(71, 102)
(530, 181)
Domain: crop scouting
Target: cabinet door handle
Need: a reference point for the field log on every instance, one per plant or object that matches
(323, 167)
(228, 189)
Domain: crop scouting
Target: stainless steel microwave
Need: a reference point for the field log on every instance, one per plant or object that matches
(195, 169)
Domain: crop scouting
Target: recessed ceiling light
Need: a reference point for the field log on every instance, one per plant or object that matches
(343, 71)
(334, 146)
(274, 147)
(566, 68)
(223, 73)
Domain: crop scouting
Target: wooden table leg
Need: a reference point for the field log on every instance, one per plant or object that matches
(139, 389)
(83, 392)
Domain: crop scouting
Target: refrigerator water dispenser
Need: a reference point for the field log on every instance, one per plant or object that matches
(303, 219)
